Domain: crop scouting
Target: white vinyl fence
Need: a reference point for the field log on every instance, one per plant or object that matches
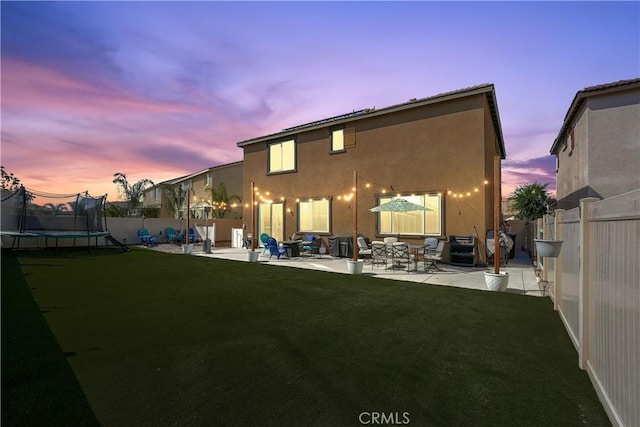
(595, 284)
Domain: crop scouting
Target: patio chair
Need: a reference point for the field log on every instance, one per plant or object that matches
(146, 238)
(310, 246)
(192, 236)
(246, 243)
(431, 257)
(391, 240)
(264, 237)
(379, 253)
(275, 249)
(401, 255)
(364, 250)
(172, 235)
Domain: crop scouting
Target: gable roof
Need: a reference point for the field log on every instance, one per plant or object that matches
(579, 99)
(487, 89)
(179, 179)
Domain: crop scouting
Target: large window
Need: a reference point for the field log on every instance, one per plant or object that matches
(282, 156)
(420, 223)
(313, 216)
(337, 140)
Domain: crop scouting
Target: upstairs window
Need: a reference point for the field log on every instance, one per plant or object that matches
(337, 140)
(282, 156)
(208, 182)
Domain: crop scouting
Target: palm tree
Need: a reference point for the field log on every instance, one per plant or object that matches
(531, 201)
(221, 201)
(175, 198)
(133, 193)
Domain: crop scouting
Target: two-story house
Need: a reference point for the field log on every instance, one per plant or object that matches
(437, 152)
(198, 187)
(598, 147)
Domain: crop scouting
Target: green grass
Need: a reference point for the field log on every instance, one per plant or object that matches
(159, 339)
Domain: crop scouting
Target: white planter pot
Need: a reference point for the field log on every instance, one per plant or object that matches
(355, 267)
(252, 256)
(187, 249)
(548, 248)
(496, 282)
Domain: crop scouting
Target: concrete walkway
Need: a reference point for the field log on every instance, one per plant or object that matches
(522, 278)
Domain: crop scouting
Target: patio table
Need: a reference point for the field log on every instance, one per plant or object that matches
(292, 247)
(416, 247)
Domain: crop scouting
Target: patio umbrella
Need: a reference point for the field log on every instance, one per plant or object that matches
(399, 205)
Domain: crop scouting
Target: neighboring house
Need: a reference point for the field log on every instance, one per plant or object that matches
(598, 147)
(198, 186)
(437, 152)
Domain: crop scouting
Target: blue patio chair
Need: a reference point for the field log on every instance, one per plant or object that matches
(192, 236)
(264, 237)
(172, 235)
(275, 249)
(311, 245)
(146, 238)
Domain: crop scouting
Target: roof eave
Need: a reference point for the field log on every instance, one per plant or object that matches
(487, 89)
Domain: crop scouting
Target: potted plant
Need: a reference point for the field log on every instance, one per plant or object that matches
(354, 266)
(252, 255)
(548, 247)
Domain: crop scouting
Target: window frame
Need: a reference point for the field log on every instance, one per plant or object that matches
(313, 229)
(295, 156)
(423, 232)
(332, 150)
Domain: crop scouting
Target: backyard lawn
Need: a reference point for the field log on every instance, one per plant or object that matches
(151, 339)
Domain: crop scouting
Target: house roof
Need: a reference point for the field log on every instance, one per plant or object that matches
(487, 89)
(179, 179)
(579, 99)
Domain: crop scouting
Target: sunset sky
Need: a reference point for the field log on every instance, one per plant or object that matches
(162, 89)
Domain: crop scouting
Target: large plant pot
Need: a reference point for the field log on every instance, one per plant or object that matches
(187, 249)
(548, 248)
(252, 256)
(496, 282)
(355, 267)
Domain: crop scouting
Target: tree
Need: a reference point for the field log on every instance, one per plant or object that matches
(531, 201)
(133, 193)
(175, 198)
(220, 200)
(9, 180)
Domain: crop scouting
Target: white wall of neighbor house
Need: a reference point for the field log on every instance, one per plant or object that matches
(597, 293)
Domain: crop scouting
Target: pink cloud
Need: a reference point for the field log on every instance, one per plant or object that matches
(30, 86)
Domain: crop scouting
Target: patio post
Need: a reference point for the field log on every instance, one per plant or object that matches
(186, 233)
(253, 217)
(497, 201)
(355, 216)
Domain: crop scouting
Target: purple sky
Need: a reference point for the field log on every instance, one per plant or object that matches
(161, 89)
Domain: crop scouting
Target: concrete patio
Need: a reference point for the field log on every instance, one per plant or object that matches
(522, 278)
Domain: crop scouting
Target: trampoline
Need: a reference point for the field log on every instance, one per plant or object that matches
(29, 214)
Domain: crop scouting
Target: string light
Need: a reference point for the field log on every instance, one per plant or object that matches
(264, 197)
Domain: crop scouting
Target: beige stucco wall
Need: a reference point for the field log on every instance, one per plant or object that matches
(230, 174)
(606, 157)
(436, 148)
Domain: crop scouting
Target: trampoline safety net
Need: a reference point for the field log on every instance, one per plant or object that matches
(27, 210)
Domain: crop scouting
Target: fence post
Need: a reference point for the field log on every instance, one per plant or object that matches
(584, 281)
(557, 270)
